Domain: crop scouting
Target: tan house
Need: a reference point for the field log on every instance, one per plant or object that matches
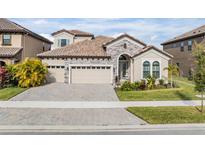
(106, 60)
(66, 37)
(181, 48)
(17, 43)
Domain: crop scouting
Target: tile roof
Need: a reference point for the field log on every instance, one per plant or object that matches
(9, 26)
(87, 48)
(193, 33)
(9, 51)
(73, 32)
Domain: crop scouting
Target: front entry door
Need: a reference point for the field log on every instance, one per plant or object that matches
(123, 70)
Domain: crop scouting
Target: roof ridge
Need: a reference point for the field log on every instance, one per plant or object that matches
(190, 33)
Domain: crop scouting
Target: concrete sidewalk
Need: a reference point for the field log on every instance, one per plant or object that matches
(108, 104)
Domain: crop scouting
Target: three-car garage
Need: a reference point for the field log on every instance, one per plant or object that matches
(83, 74)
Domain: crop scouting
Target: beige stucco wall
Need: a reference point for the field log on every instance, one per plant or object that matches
(15, 40)
(33, 46)
(78, 39)
(62, 35)
(150, 56)
(53, 62)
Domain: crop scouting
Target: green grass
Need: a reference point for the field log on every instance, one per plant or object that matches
(168, 115)
(185, 92)
(7, 93)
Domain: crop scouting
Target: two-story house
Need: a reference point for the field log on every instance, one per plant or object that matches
(17, 43)
(181, 48)
(66, 37)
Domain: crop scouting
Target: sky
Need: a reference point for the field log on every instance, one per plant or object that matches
(151, 31)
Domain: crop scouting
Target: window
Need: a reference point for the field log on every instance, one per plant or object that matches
(6, 39)
(63, 42)
(156, 69)
(182, 46)
(189, 45)
(146, 69)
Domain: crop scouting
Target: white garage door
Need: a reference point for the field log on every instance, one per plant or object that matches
(91, 74)
(56, 73)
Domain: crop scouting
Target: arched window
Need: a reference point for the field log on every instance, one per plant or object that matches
(146, 69)
(156, 69)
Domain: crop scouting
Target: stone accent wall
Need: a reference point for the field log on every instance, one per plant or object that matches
(119, 48)
(91, 61)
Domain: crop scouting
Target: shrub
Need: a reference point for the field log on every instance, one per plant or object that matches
(4, 77)
(12, 71)
(150, 82)
(30, 73)
(135, 85)
(142, 85)
(161, 82)
(190, 75)
(126, 86)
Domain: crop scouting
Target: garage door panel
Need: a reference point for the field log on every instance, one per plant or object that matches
(91, 75)
(56, 74)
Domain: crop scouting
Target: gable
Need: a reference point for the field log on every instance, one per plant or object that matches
(152, 54)
(126, 38)
(122, 46)
(63, 35)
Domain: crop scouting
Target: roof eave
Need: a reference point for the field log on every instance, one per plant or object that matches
(181, 39)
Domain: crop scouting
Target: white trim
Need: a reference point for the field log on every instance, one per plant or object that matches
(150, 60)
(124, 53)
(91, 65)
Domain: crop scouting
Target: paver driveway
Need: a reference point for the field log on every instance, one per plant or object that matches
(90, 117)
(65, 92)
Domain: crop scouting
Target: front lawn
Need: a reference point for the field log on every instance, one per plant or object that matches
(185, 92)
(168, 115)
(7, 93)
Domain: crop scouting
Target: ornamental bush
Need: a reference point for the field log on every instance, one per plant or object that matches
(126, 86)
(30, 73)
(4, 77)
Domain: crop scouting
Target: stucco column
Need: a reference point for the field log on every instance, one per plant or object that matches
(131, 70)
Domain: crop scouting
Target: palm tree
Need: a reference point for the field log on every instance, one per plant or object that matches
(173, 69)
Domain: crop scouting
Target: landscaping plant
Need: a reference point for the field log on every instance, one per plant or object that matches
(173, 70)
(150, 82)
(30, 73)
(126, 86)
(199, 73)
(4, 77)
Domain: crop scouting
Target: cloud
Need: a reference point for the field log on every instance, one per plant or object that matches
(40, 22)
(48, 36)
(152, 31)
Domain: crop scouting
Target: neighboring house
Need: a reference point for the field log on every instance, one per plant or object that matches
(17, 43)
(105, 60)
(181, 48)
(66, 37)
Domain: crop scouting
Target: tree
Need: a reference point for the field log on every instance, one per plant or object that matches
(30, 73)
(173, 70)
(199, 72)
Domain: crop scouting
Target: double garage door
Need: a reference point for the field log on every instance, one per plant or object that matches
(90, 74)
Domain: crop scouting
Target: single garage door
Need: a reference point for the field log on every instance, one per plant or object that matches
(91, 74)
(56, 73)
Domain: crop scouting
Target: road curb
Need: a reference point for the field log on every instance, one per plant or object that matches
(69, 128)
